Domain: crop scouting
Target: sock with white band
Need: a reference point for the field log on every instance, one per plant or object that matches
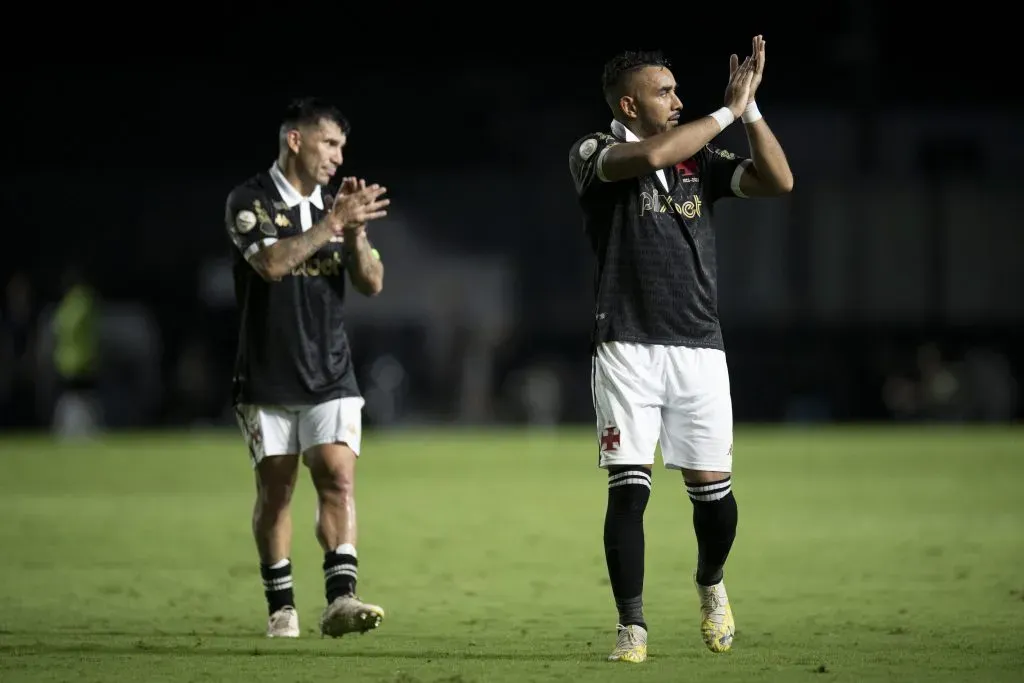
(341, 570)
(714, 522)
(278, 587)
(629, 490)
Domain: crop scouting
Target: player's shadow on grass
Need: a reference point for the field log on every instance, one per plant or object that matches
(200, 649)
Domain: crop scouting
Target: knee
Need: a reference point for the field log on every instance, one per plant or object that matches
(335, 481)
(274, 488)
(272, 498)
(701, 477)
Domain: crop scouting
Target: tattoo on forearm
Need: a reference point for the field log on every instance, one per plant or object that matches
(367, 266)
(290, 253)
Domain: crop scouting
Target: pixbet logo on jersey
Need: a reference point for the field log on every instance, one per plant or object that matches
(328, 266)
(654, 202)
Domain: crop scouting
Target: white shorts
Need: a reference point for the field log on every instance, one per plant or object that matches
(673, 395)
(281, 430)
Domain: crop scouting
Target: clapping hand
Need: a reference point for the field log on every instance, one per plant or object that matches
(356, 204)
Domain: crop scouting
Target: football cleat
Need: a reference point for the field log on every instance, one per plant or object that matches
(717, 625)
(630, 645)
(284, 623)
(349, 614)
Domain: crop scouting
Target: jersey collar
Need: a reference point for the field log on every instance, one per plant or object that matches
(620, 131)
(623, 133)
(289, 194)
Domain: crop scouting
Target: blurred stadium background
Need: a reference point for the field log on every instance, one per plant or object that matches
(881, 303)
(888, 286)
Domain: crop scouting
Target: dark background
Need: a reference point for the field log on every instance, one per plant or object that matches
(888, 286)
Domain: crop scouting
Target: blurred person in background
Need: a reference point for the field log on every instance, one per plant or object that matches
(77, 411)
(18, 319)
(295, 390)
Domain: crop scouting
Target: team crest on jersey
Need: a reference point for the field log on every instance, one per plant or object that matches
(588, 148)
(281, 220)
(245, 221)
(687, 168)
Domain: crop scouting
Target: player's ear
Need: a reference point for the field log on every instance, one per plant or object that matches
(628, 106)
(294, 138)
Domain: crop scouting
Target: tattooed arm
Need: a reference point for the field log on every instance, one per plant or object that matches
(365, 268)
(278, 260)
(254, 234)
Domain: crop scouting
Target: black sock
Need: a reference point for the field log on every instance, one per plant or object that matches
(714, 521)
(340, 573)
(629, 489)
(277, 586)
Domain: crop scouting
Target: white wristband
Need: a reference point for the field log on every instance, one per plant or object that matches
(723, 116)
(751, 113)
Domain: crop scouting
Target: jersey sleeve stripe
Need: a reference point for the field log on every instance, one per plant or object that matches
(256, 246)
(599, 164)
(736, 175)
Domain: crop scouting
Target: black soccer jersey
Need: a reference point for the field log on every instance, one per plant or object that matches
(656, 276)
(292, 346)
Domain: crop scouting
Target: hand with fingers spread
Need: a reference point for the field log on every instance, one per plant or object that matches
(758, 70)
(737, 92)
(349, 186)
(356, 204)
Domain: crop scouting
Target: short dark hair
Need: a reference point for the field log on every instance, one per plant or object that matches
(618, 68)
(309, 111)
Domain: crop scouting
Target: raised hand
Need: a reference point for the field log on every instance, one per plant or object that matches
(758, 55)
(350, 185)
(737, 92)
(356, 204)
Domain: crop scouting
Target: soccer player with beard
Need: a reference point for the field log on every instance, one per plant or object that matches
(659, 375)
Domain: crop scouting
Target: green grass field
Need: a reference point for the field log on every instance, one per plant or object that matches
(863, 554)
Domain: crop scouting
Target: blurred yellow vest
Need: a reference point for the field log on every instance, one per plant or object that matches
(74, 330)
